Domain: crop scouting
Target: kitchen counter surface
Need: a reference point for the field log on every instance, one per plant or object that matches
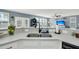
(63, 37)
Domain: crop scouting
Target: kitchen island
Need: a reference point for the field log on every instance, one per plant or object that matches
(21, 41)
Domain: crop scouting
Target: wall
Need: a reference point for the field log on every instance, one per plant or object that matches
(12, 13)
(17, 14)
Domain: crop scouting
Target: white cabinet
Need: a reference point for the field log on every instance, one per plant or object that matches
(55, 44)
(43, 43)
(26, 44)
(39, 44)
(13, 45)
(33, 44)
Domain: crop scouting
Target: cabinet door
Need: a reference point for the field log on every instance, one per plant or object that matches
(50, 44)
(28, 44)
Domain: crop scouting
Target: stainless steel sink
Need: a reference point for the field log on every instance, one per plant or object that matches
(33, 35)
(39, 35)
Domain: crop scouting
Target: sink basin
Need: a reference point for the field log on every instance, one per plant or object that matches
(33, 35)
(39, 35)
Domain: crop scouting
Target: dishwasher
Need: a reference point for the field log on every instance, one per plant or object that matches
(66, 45)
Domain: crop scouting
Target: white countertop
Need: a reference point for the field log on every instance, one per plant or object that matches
(63, 37)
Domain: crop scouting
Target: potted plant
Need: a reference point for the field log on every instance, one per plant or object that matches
(11, 29)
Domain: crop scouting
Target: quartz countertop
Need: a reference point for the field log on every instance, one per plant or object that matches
(63, 37)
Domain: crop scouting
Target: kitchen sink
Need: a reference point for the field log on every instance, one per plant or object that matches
(39, 35)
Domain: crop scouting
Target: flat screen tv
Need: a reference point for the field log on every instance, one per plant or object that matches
(60, 22)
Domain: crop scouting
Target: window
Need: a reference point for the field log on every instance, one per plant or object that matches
(4, 20)
(43, 23)
(73, 22)
(21, 22)
(18, 22)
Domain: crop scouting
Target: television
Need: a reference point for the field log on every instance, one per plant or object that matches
(60, 22)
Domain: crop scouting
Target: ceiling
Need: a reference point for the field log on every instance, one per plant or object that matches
(48, 12)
